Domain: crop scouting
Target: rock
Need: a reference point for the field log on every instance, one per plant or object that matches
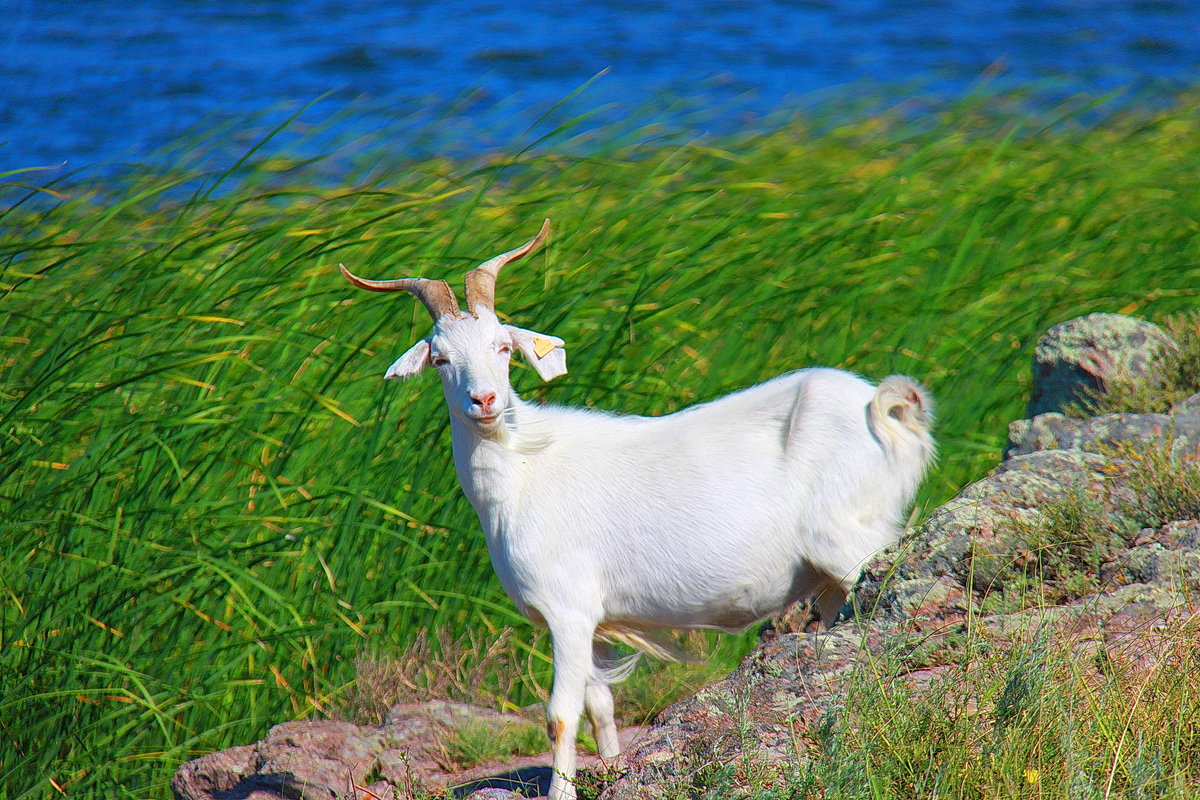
(786, 684)
(1085, 354)
(330, 759)
(1188, 405)
(961, 552)
(213, 775)
(316, 760)
(1052, 431)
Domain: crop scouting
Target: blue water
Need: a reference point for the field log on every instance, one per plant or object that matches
(84, 82)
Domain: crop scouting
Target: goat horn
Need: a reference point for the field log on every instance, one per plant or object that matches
(481, 281)
(437, 296)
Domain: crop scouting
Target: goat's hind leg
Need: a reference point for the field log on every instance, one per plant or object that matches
(830, 600)
(841, 568)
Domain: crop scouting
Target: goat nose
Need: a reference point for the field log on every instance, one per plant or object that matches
(484, 401)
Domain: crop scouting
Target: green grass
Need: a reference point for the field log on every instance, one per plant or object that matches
(211, 503)
(1032, 717)
(477, 744)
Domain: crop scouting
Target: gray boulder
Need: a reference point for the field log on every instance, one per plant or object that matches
(1085, 354)
(1188, 405)
(1053, 431)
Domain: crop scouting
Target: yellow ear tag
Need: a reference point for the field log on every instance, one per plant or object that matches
(542, 346)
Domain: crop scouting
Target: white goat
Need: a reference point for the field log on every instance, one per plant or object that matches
(607, 527)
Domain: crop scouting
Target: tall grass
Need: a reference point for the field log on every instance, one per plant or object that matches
(211, 503)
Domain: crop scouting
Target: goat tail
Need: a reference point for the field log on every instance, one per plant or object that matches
(641, 639)
(901, 409)
(615, 669)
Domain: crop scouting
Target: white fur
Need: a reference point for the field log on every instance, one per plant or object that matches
(617, 527)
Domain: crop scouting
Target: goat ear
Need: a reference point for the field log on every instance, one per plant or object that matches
(544, 353)
(412, 362)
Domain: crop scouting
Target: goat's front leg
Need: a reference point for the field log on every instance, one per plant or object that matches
(572, 638)
(599, 702)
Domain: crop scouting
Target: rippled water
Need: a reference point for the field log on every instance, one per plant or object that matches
(89, 81)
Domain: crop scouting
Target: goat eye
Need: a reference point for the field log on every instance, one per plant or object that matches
(504, 348)
(440, 361)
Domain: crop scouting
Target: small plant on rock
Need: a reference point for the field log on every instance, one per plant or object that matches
(1164, 486)
(1054, 558)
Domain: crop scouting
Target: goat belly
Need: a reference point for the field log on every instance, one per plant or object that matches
(694, 610)
(730, 591)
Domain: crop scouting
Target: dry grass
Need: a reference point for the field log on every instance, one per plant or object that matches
(482, 670)
(488, 670)
(660, 684)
